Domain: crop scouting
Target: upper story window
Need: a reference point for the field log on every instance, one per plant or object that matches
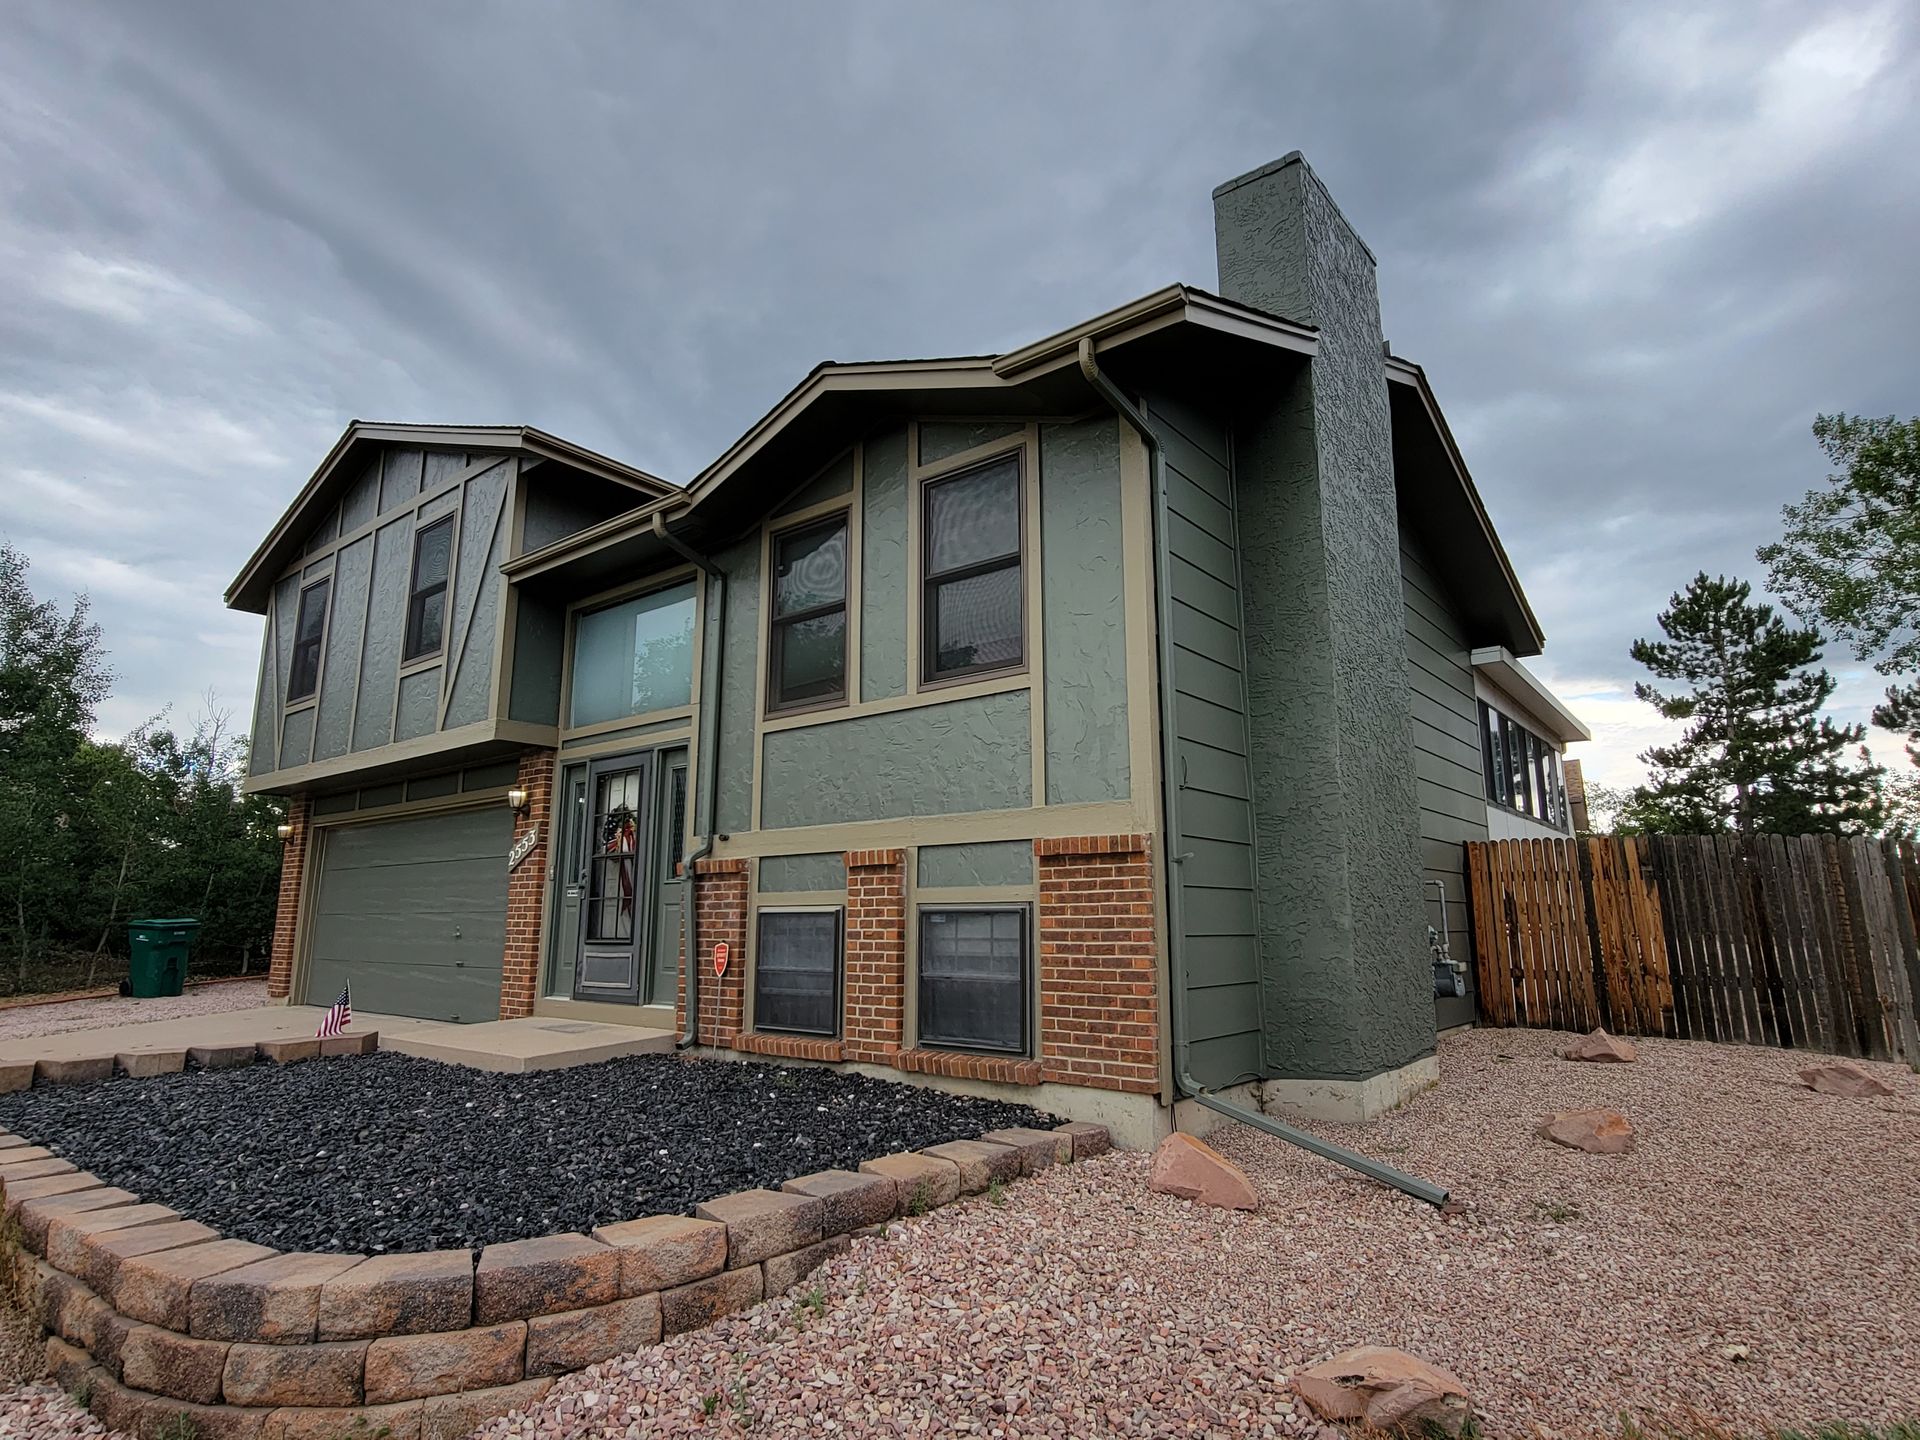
(973, 601)
(807, 651)
(427, 594)
(303, 676)
(1522, 771)
(633, 657)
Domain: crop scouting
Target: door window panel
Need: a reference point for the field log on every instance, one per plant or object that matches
(612, 879)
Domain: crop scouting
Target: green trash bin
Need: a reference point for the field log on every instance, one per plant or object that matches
(159, 954)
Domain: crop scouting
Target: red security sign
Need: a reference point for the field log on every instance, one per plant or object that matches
(720, 953)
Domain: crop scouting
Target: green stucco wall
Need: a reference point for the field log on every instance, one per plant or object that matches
(797, 874)
(956, 867)
(1349, 991)
(883, 567)
(734, 796)
(942, 439)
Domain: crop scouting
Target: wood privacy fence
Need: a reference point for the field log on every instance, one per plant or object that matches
(1806, 942)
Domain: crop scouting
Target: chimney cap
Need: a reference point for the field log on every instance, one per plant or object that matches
(1292, 157)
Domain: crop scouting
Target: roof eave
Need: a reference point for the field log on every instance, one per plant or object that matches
(1509, 675)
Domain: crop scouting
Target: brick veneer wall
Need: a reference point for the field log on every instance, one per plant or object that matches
(1099, 1010)
(720, 901)
(875, 1004)
(527, 887)
(286, 917)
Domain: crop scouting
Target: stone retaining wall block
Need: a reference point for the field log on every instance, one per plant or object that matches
(74, 1071)
(921, 1182)
(848, 1201)
(411, 1367)
(36, 1215)
(35, 1169)
(145, 1064)
(15, 1075)
(980, 1163)
(328, 1373)
(1038, 1148)
(67, 1234)
(285, 1052)
(452, 1417)
(762, 1223)
(105, 1253)
(1088, 1138)
(154, 1288)
(162, 1419)
(110, 1340)
(276, 1300)
(115, 1406)
(783, 1272)
(67, 1364)
(576, 1339)
(369, 1422)
(661, 1251)
(220, 1057)
(163, 1363)
(543, 1276)
(689, 1307)
(364, 1043)
(21, 1191)
(397, 1295)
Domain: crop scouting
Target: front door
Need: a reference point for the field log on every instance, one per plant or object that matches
(617, 869)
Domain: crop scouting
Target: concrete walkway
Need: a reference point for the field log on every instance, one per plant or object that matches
(513, 1046)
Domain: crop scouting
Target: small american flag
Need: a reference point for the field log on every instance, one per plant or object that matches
(339, 1015)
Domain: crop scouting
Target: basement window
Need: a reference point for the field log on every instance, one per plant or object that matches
(303, 675)
(974, 979)
(796, 972)
(427, 592)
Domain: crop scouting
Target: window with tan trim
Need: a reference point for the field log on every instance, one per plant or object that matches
(807, 649)
(303, 675)
(973, 600)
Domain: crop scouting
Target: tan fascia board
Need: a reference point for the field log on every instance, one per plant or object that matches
(1176, 304)
(1505, 673)
(1405, 372)
(507, 439)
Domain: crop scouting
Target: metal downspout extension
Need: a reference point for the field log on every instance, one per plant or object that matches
(709, 765)
(1169, 757)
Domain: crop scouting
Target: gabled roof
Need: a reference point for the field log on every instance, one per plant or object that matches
(252, 585)
(1437, 492)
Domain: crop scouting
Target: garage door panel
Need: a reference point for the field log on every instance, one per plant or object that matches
(412, 914)
(433, 992)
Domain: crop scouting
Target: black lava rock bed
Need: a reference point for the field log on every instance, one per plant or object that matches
(387, 1152)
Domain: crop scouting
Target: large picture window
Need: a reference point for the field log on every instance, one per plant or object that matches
(796, 972)
(303, 675)
(807, 651)
(973, 606)
(427, 593)
(633, 658)
(974, 982)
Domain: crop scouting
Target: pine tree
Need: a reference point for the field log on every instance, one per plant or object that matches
(1757, 754)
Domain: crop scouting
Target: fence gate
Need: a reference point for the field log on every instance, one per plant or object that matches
(1807, 942)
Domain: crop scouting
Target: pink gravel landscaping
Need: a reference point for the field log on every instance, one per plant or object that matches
(22, 1022)
(1755, 1259)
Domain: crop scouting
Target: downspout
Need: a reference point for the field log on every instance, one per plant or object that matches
(709, 764)
(1169, 768)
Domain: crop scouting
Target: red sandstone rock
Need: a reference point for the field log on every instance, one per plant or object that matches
(1598, 1132)
(1194, 1170)
(1849, 1082)
(1603, 1049)
(1388, 1390)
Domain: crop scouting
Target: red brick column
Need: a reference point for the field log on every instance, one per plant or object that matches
(1099, 1013)
(720, 901)
(527, 888)
(286, 916)
(875, 1004)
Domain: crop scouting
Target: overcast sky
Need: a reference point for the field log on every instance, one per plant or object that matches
(1636, 254)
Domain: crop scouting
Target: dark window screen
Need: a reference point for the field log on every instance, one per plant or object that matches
(427, 595)
(796, 973)
(973, 980)
(303, 676)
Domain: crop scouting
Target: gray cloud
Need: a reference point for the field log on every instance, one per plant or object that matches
(1636, 251)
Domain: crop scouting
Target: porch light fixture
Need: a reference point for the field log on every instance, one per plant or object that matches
(517, 799)
(285, 832)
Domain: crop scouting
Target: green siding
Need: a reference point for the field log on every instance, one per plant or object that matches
(412, 913)
(883, 568)
(1083, 634)
(937, 760)
(953, 867)
(476, 611)
(742, 655)
(792, 874)
(1220, 937)
(1446, 746)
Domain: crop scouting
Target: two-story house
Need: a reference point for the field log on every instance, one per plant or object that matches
(1093, 720)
